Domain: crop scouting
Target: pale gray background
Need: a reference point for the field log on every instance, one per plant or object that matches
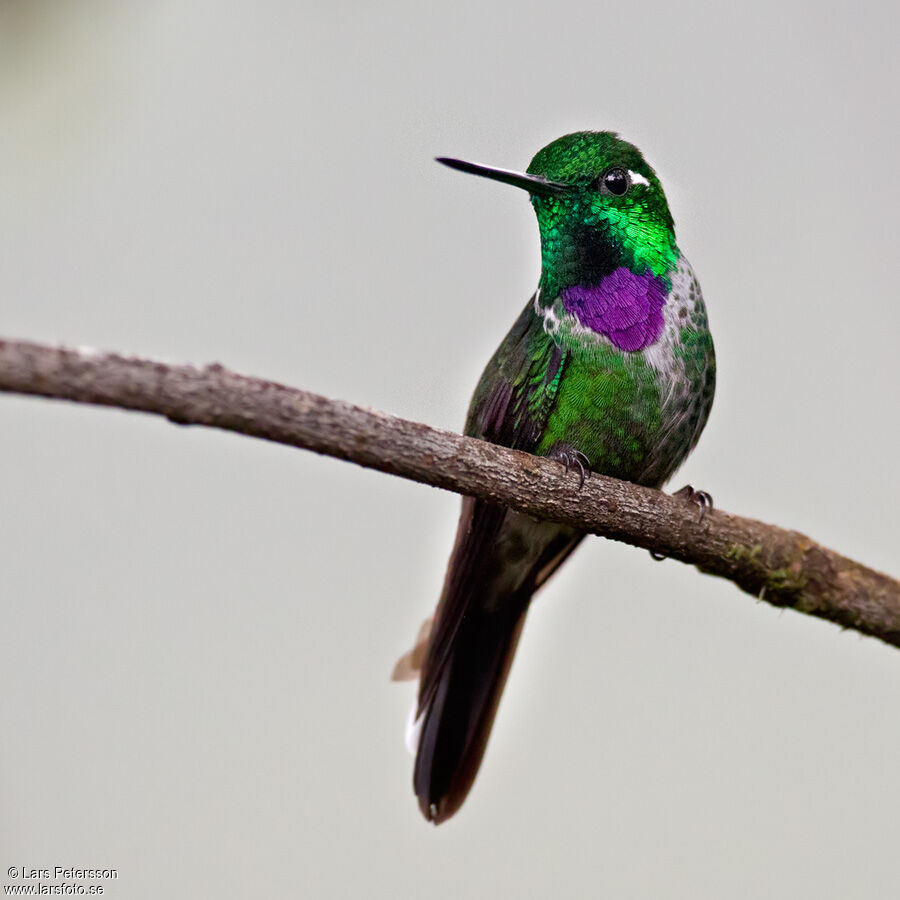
(197, 629)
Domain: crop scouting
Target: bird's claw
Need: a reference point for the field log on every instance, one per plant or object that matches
(570, 457)
(700, 498)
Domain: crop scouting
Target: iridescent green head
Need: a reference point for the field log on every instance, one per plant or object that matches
(599, 206)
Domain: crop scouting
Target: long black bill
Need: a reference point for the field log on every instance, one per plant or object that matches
(534, 184)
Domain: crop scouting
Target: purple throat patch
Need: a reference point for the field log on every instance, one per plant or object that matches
(626, 308)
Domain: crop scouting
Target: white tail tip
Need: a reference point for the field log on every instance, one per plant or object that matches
(413, 729)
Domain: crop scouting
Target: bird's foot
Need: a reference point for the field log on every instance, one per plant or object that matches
(570, 457)
(699, 498)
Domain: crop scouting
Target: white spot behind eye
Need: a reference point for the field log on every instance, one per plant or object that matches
(637, 178)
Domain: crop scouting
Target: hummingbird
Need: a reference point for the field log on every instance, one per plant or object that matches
(610, 369)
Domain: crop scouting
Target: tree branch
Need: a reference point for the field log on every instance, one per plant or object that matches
(783, 567)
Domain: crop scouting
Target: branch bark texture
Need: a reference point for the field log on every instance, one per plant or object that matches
(783, 567)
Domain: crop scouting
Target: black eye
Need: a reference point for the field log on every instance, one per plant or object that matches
(615, 182)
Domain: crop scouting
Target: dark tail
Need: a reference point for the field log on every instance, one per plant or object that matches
(499, 560)
(457, 718)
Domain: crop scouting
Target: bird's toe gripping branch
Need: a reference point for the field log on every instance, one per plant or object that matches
(572, 458)
(701, 499)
